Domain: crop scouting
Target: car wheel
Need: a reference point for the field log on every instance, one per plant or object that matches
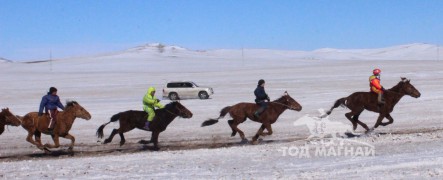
(173, 96)
(203, 95)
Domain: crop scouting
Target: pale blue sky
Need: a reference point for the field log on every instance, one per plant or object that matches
(30, 29)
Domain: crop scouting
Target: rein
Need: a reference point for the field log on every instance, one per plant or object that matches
(174, 113)
(289, 107)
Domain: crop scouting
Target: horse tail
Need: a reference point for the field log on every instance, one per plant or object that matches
(223, 113)
(340, 102)
(114, 118)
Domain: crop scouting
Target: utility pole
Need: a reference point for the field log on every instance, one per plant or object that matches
(242, 57)
(50, 60)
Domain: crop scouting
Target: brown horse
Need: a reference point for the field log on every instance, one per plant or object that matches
(36, 125)
(359, 101)
(136, 119)
(7, 118)
(241, 111)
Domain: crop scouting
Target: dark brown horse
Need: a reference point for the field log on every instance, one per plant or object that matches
(136, 119)
(36, 125)
(359, 101)
(241, 111)
(7, 118)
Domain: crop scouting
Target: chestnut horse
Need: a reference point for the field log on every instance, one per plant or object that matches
(359, 101)
(241, 111)
(7, 118)
(36, 125)
(136, 119)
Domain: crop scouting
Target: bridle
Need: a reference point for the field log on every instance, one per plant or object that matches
(8, 119)
(289, 107)
(178, 114)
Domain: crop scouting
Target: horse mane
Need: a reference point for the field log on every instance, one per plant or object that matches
(398, 87)
(279, 99)
(71, 103)
(169, 105)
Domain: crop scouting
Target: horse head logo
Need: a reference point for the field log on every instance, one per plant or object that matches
(321, 126)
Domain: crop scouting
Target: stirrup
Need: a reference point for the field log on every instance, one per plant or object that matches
(256, 115)
(146, 127)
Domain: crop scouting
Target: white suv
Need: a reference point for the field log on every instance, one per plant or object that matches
(186, 89)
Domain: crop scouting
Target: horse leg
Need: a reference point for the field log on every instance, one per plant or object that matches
(154, 139)
(379, 119)
(233, 131)
(37, 135)
(56, 142)
(72, 138)
(259, 132)
(350, 115)
(30, 140)
(122, 137)
(235, 128)
(269, 128)
(391, 120)
(114, 132)
(355, 118)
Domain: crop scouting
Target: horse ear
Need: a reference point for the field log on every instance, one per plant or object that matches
(403, 79)
(286, 93)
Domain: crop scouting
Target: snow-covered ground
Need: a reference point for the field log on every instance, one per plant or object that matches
(410, 148)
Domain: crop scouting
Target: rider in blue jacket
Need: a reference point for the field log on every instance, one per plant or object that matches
(50, 102)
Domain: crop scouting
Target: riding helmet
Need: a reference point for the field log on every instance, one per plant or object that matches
(376, 71)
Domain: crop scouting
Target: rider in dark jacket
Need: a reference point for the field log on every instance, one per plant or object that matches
(260, 97)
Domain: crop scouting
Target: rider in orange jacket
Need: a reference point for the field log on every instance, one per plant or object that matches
(376, 87)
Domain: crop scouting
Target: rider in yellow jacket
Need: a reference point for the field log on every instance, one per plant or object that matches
(149, 103)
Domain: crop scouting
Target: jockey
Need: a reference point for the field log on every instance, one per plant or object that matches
(260, 97)
(50, 102)
(374, 83)
(149, 103)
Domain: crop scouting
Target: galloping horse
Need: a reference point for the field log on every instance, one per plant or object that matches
(241, 111)
(136, 119)
(7, 118)
(36, 125)
(359, 101)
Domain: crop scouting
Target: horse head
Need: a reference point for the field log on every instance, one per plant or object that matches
(289, 102)
(405, 87)
(78, 110)
(179, 109)
(10, 119)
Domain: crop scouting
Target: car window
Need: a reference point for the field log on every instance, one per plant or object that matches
(194, 84)
(173, 85)
(188, 85)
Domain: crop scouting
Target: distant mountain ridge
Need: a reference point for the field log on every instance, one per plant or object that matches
(3, 60)
(415, 51)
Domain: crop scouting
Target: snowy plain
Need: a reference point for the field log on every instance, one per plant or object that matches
(411, 148)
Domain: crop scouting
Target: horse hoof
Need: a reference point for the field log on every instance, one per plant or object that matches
(354, 125)
(155, 149)
(254, 142)
(370, 130)
(244, 141)
(144, 142)
(47, 151)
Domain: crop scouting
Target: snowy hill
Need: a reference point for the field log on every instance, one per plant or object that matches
(416, 51)
(3, 60)
(410, 148)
